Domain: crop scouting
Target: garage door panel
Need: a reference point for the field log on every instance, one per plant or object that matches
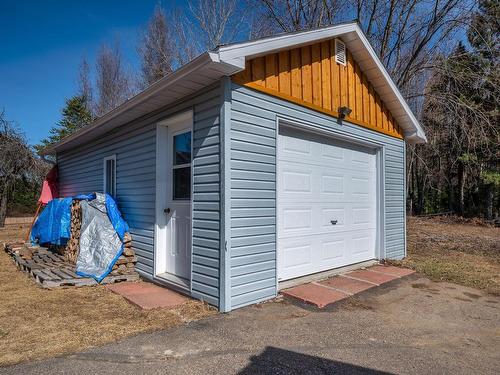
(304, 219)
(296, 181)
(291, 146)
(296, 219)
(319, 154)
(363, 216)
(297, 255)
(312, 183)
(320, 253)
(326, 204)
(330, 152)
(332, 184)
(335, 214)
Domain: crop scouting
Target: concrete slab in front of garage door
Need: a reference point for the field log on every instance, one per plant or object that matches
(329, 291)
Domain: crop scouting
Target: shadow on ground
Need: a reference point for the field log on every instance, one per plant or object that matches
(280, 361)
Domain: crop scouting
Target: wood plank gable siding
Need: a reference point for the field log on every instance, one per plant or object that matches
(309, 76)
(134, 144)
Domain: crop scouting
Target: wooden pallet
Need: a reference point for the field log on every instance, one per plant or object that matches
(52, 270)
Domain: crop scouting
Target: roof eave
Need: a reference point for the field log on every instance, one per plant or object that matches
(228, 60)
(163, 84)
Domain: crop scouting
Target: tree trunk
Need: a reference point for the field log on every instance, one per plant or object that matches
(3, 208)
(420, 197)
(461, 188)
(420, 188)
(489, 202)
(4, 199)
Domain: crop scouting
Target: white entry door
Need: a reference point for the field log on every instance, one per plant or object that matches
(326, 204)
(174, 158)
(178, 208)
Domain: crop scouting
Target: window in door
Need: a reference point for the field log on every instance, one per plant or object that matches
(110, 175)
(182, 166)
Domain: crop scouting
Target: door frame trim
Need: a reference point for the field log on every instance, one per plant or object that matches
(161, 181)
(333, 133)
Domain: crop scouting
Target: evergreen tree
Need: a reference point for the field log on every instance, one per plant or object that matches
(75, 115)
(484, 38)
(461, 115)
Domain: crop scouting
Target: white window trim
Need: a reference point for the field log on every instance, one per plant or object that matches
(104, 161)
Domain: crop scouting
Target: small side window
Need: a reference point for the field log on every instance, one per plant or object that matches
(110, 175)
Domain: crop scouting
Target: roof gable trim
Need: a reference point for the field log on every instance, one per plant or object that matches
(236, 54)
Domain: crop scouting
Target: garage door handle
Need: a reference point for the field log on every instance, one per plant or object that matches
(333, 222)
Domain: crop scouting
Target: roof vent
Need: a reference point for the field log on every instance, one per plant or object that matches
(340, 52)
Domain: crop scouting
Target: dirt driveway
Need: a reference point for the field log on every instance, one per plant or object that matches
(411, 325)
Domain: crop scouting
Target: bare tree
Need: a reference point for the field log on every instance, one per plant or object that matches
(85, 89)
(218, 20)
(156, 49)
(113, 83)
(405, 33)
(186, 45)
(17, 163)
(275, 16)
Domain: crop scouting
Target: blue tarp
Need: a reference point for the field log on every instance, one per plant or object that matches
(53, 226)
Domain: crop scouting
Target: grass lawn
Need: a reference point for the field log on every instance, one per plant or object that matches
(36, 323)
(451, 249)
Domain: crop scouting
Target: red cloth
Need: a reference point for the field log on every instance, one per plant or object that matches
(49, 187)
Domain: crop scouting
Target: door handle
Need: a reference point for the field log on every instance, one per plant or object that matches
(333, 222)
(166, 210)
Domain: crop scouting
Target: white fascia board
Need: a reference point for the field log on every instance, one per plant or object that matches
(416, 136)
(263, 46)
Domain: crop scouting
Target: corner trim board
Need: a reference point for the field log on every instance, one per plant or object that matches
(225, 205)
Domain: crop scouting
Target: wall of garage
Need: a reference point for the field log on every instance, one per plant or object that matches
(134, 144)
(253, 188)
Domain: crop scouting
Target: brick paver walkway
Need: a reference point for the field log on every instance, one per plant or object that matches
(331, 290)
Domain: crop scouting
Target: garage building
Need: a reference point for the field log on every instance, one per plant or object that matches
(254, 165)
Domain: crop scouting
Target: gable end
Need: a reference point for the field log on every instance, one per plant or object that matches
(310, 76)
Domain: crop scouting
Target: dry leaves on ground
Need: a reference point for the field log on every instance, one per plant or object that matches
(452, 249)
(36, 323)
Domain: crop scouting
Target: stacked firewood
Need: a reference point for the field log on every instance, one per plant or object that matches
(73, 244)
(125, 263)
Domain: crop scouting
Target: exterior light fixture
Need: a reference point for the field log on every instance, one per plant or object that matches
(343, 112)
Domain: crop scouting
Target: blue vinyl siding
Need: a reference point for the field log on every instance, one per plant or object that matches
(253, 188)
(250, 177)
(81, 172)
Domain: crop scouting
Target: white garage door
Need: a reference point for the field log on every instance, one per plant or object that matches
(326, 204)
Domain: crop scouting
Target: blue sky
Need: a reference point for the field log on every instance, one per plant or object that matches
(42, 44)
